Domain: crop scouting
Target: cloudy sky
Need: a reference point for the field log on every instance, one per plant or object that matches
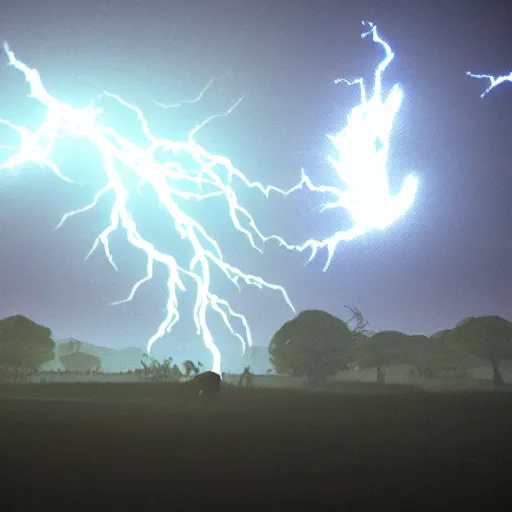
(450, 257)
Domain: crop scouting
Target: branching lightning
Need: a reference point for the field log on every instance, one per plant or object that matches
(495, 81)
(362, 148)
(62, 120)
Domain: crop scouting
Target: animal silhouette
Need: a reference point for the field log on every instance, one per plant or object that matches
(204, 387)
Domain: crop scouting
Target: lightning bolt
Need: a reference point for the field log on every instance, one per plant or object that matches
(495, 81)
(165, 179)
(363, 148)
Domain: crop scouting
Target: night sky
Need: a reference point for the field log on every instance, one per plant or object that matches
(448, 258)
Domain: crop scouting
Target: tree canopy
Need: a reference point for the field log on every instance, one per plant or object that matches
(157, 371)
(488, 337)
(391, 347)
(314, 343)
(24, 343)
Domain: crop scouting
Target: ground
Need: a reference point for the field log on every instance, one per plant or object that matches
(140, 445)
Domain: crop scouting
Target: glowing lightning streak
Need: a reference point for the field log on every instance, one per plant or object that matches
(184, 102)
(63, 120)
(363, 147)
(494, 81)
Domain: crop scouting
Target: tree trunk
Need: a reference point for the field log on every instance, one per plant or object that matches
(17, 374)
(497, 377)
(381, 374)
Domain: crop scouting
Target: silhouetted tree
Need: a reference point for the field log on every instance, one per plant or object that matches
(489, 337)
(72, 345)
(145, 369)
(24, 344)
(442, 335)
(391, 347)
(156, 371)
(360, 330)
(80, 362)
(176, 373)
(449, 356)
(315, 344)
(190, 367)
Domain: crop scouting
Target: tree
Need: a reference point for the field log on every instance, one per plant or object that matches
(315, 344)
(157, 371)
(80, 362)
(449, 357)
(24, 344)
(190, 367)
(145, 370)
(72, 346)
(391, 347)
(489, 337)
(360, 330)
(176, 373)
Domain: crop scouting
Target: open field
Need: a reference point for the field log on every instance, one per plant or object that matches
(472, 379)
(136, 445)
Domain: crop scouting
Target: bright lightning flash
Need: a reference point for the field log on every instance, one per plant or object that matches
(363, 147)
(62, 120)
(494, 81)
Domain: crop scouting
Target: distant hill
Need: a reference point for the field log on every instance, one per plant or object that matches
(112, 360)
(115, 361)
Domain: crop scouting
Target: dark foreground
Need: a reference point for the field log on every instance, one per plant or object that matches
(136, 446)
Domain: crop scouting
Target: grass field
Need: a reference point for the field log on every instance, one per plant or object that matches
(139, 446)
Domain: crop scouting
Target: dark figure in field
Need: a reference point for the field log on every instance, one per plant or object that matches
(246, 378)
(204, 387)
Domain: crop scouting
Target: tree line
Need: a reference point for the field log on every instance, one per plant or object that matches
(25, 346)
(316, 344)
